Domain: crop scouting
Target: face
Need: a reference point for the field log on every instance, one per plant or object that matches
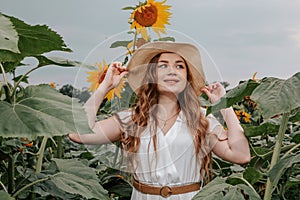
(171, 73)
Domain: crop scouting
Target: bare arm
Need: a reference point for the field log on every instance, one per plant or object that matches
(235, 148)
(231, 144)
(106, 130)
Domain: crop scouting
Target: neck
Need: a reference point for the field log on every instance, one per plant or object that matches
(167, 106)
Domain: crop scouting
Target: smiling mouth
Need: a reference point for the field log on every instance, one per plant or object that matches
(171, 81)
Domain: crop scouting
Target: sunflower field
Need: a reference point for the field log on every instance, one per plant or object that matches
(38, 161)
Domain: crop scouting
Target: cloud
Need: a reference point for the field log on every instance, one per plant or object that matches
(241, 36)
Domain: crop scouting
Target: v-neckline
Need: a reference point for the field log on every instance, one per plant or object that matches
(167, 132)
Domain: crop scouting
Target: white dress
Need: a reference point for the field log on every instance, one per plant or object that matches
(175, 160)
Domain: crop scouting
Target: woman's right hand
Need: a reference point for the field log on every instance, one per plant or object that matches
(114, 75)
(214, 91)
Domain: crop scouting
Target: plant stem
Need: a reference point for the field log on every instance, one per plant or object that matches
(247, 183)
(59, 147)
(134, 40)
(116, 154)
(218, 165)
(122, 158)
(6, 84)
(11, 174)
(39, 163)
(3, 73)
(291, 150)
(276, 153)
(19, 81)
(7, 93)
(3, 186)
(29, 185)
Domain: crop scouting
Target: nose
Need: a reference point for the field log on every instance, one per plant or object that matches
(172, 71)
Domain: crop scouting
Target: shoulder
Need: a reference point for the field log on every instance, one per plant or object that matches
(212, 120)
(124, 115)
(203, 111)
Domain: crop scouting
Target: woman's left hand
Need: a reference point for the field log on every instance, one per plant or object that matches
(214, 91)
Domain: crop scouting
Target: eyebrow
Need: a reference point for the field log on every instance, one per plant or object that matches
(177, 61)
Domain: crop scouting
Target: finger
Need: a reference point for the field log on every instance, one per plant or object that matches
(116, 64)
(204, 88)
(122, 69)
(221, 86)
(214, 86)
(206, 91)
(210, 87)
(123, 74)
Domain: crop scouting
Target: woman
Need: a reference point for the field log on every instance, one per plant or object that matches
(166, 135)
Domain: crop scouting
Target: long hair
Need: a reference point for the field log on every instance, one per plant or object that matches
(147, 98)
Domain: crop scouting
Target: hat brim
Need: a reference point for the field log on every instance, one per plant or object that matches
(138, 63)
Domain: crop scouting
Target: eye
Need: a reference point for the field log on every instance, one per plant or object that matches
(162, 66)
(180, 67)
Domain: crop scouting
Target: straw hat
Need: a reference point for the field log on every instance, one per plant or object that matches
(143, 55)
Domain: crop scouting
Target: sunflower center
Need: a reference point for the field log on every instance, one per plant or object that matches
(147, 17)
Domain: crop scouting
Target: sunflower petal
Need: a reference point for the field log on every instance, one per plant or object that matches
(152, 14)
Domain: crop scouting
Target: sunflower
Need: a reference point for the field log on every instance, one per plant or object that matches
(250, 103)
(150, 14)
(53, 85)
(27, 143)
(243, 115)
(96, 77)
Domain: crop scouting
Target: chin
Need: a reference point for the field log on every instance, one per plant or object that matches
(171, 90)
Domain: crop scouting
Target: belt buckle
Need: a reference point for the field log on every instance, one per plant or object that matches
(165, 191)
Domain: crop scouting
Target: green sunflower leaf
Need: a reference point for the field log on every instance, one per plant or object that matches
(42, 111)
(283, 164)
(32, 41)
(296, 137)
(265, 128)
(75, 177)
(24, 79)
(129, 8)
(275, 96)
(5, 196)
(44, 61)
(8, 35)
(212, 190)
(166, 39)
(120, 44)
(233, 96)
(220, 189)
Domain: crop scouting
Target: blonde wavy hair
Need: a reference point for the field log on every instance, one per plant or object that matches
(147, 98)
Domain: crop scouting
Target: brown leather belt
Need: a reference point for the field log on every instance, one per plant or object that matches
(165, 191)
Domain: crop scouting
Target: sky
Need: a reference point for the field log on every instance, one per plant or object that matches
(236, 38)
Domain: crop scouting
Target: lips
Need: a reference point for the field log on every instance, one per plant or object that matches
(171, 81)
